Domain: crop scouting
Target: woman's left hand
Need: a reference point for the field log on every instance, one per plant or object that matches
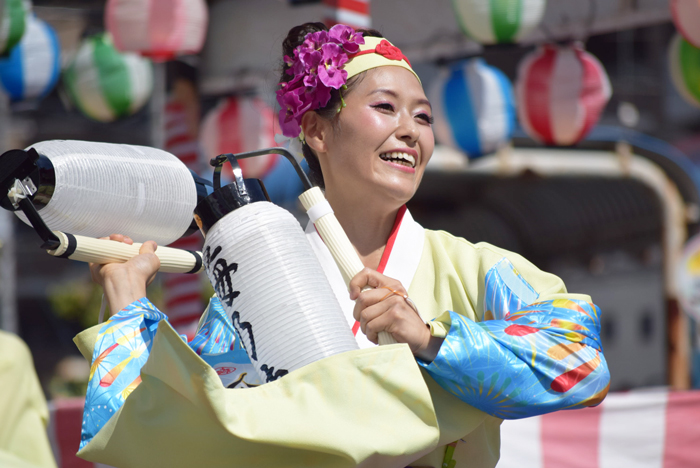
(379, 309)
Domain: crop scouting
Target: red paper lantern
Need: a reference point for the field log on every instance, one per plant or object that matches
(160, 29)
(561, 92)
(239, 124)
(686, 16)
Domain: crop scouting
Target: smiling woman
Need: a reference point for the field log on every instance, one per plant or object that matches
(496, 337)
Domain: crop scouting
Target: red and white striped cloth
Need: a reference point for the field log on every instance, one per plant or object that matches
(640, 429)
(353, 13)
(183, 293)
(65, 421)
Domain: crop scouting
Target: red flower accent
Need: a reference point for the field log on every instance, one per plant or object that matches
(520, 330)
(389, 51)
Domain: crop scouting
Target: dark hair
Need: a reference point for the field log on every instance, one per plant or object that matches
(294, 38)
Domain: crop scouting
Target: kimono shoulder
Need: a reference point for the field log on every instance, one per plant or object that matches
(452, 276)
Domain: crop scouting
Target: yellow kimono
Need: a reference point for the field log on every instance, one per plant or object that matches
(23, 411)
(373, 407)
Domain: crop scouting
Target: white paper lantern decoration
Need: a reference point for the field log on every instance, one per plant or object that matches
(160, 29)
(686, 16)
(106, 84)
(498, 21)
(473, 107)
(684, 62)
(561, 92)
(32, 69)
(13, 22)
(238, 124)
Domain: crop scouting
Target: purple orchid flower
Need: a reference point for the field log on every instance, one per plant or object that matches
(329, 71)
(347, 37)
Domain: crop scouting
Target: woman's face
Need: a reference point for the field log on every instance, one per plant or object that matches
(382, 141)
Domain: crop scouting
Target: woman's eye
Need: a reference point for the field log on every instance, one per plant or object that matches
(384, 106)
(427, 118)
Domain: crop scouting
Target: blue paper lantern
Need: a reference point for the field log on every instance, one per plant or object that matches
(33, 67)
(474, 108)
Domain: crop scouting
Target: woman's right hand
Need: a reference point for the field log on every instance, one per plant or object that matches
(124, 283)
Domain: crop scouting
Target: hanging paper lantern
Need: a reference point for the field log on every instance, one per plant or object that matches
(684, 61)
(160, 29)
(561, 92)
(239, 124)
(686, 16)
(473, 107)
(33, 66)
(498, 21)
(13, 20)
(106, 84)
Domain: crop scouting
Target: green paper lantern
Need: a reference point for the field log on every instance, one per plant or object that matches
(498, 21)
(684, 62)
(13, 21)
(106, 84)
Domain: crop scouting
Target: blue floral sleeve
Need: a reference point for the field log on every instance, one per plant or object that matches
(528, 357)
(124, 343)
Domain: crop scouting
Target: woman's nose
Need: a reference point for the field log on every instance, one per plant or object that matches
(408, 129)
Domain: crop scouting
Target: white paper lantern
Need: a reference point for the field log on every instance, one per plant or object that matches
(498, 21)
(106, 84)
(101, 189)
(273, 287)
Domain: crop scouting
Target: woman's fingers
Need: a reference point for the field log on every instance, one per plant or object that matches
(368, 278)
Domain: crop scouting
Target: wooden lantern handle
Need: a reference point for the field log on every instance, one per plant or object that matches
(336, 240)
(89, 249)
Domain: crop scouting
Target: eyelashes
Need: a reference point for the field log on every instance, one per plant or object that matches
(389, 107)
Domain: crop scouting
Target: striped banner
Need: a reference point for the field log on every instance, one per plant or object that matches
(498, 21)
(183, 293)
(65, 421)
(561, 92)
(641, 429)
(474, 108)
(353, 13)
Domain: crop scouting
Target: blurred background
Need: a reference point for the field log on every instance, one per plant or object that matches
(568, 131)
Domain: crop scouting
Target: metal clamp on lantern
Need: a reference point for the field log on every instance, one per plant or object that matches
(86, 190)
(327, 225)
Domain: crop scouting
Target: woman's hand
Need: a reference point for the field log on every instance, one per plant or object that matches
(379, 309)
(123, 283)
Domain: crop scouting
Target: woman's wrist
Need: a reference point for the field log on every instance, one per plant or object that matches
(430, 349)
(121, 290)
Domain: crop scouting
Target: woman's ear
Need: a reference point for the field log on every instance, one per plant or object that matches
(315, 130)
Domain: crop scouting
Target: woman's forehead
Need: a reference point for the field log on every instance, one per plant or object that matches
(395, 81)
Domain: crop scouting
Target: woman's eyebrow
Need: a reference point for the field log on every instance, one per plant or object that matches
(395, 95)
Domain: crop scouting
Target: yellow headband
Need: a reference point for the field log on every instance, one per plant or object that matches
(377, 52)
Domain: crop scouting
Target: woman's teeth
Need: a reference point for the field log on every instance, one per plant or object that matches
(404, 159)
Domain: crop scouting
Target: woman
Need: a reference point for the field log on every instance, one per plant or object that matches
(502, 339)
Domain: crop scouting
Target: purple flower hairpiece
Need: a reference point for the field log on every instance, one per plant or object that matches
(317, 67)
